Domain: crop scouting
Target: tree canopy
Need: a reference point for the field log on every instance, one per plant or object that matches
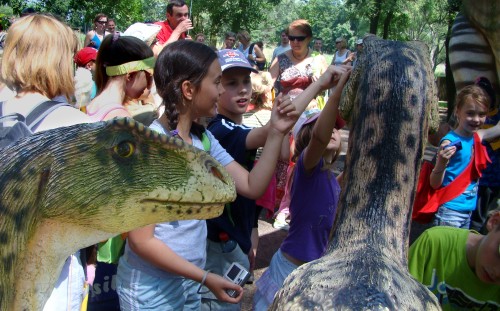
(425, 20)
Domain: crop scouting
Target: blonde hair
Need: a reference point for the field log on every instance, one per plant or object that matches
(243, 34)
(343, 45)
(301, 25)
(38, 56)
(262, 83)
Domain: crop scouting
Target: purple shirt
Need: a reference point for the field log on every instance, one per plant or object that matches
(314, 199)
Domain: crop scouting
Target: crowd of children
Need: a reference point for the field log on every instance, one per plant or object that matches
(180, 264)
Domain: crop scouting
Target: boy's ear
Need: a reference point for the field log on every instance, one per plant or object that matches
(187, 90)
(493, 222)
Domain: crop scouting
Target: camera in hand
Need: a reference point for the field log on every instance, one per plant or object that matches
(238, 275)
(457, 143)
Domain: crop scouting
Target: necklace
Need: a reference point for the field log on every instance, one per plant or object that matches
(301, 59)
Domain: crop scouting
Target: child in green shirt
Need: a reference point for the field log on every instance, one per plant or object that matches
(461, 267)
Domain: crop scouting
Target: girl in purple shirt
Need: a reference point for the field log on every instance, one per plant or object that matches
(314, 196)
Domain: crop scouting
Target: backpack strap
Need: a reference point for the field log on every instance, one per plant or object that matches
(250, 48)
(40, 112)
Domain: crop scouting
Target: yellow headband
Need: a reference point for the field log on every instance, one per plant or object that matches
(145, 64)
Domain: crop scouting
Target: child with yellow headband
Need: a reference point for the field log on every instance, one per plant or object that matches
(124, 69)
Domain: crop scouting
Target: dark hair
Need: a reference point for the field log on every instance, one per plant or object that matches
(302, 140)
(28, 11)
(172, 3)
(180, 61)
(116, 50)
(230, 34)
(99, 16)
(485, 84)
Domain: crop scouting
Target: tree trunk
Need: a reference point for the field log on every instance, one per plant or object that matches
(387, 24)
(388, 99)
(376, 16)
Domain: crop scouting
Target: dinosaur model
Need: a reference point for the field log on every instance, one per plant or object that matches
(71, 187)
(389, 101)
(474, 48)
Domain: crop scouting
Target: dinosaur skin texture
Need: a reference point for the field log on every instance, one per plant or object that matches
(389, 102)
(68, 188)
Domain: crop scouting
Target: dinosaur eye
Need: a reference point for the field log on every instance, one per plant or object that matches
(125, 149)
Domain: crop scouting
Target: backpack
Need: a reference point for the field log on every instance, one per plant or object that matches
(25, 125)
(260, 65)
(427, 200)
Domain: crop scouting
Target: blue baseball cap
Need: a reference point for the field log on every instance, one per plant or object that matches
(233, 59)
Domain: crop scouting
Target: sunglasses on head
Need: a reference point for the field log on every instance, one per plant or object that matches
(298, 38)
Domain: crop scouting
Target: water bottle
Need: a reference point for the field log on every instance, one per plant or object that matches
(227, 245)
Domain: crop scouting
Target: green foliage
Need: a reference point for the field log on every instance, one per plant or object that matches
(425, 20)
(5, 13)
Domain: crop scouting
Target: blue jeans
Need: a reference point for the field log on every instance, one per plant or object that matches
(140, 291)
(271, 281)
(452, 218)
(218, 262)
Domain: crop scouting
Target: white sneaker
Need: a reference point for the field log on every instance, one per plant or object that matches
(281, 224)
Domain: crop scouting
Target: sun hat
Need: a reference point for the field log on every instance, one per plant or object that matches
(142, 31)
(310, 116)
(84, 56)
(359, 41)
(233, 59)
(306, 117)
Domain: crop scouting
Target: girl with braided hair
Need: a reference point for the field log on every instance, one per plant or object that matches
(164, 263)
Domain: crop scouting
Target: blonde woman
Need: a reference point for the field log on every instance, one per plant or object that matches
(342, 55)
(252, 51)
(32, 68)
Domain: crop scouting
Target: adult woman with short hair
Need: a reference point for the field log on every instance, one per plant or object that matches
(342, 55)
(253, 56)
(296, 68)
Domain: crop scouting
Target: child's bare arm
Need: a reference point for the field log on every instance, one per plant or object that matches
(491, 133)
(323, 128)
(256, 138)
(143, 242)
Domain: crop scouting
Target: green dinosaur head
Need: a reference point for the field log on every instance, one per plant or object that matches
(113, 176)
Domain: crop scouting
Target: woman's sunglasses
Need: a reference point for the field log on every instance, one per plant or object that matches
(298, 38)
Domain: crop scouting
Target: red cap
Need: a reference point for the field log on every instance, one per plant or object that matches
(84, 56)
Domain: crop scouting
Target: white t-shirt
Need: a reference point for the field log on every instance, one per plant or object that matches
(187, 238)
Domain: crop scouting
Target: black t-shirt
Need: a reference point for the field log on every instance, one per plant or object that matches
(238, 216)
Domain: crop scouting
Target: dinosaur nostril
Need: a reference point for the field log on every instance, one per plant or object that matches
(217, 174)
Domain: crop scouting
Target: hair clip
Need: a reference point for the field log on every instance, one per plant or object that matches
(116, 35)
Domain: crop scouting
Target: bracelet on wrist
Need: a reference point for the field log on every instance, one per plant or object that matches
(202, 283)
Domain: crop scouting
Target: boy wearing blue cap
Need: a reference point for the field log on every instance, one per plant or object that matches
(229, 235)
